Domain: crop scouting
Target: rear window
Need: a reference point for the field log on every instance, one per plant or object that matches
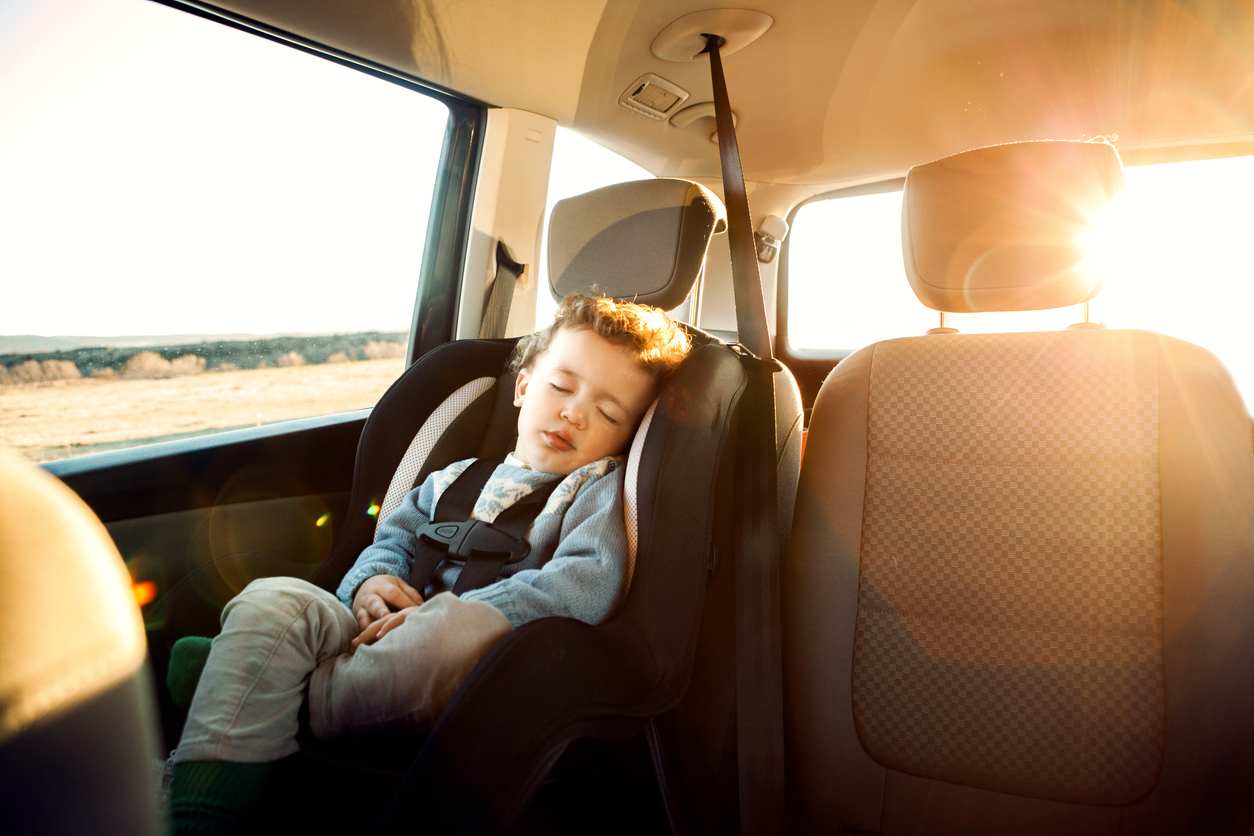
(579, 165)
(1177, 261)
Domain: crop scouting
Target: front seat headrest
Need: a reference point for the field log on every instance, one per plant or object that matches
(643, 241)
(69, 622)
(78, 732)
(1000, 228)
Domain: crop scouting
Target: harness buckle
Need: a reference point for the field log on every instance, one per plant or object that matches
(469, 539)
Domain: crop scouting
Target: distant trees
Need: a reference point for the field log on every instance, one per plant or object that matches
(378, 350)
(178, 361)
(149, 365)
(38, 371)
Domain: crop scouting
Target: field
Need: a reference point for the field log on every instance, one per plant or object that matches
(62, 418)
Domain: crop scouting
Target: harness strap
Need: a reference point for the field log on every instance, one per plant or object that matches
(483, 548)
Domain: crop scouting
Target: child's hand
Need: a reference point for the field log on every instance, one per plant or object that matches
(379, 595)
(378, 629)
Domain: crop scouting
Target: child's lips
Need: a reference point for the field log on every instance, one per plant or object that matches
(558, 441)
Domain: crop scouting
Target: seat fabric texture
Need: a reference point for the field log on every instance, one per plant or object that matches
(1017, 595)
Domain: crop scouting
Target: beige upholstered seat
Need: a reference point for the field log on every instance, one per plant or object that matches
(1018, 595)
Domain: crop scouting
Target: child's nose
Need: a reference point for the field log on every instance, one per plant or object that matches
(573, 412)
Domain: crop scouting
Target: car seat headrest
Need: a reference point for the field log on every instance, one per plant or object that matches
(1000, 228)
(643, 241)
(56, 557)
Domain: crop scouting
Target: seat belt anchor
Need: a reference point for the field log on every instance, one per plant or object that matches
(750, 359)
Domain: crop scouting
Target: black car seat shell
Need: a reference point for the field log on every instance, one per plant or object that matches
(1018, 590)
(557, 679)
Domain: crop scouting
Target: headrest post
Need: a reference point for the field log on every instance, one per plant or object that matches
(1086, 324)
(942, 328)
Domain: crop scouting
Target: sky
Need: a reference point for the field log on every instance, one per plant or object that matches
(163, 174)
(166, 175)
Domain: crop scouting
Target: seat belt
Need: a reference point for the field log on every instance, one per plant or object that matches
(484, 549)
(495, 317)
(759, 663)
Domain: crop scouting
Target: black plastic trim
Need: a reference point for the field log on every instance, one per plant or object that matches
(69, 468)
(448, 232)
(272, 33)
(290, 458)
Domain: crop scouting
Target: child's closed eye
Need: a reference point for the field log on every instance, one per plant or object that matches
(561, 389)
(607, 416)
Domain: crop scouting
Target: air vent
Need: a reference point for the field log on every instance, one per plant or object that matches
(653, 96)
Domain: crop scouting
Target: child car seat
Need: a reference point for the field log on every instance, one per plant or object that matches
(557, 679)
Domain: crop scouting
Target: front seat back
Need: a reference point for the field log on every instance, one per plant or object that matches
(1018, 593)
(78, 735)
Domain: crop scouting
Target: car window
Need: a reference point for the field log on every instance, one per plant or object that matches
(1173, 250)
(195, 243)
(579, 165)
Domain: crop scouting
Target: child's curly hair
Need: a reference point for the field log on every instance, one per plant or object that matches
(657, 342)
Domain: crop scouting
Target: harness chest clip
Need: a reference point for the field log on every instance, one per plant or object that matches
(468, 539)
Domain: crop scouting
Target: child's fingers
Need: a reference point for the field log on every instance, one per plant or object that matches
(391, 623)
(371, 608)
(396, 596)
(368, 635)
(401, 594)
(379, 628)
(376, 606)
(415, 597)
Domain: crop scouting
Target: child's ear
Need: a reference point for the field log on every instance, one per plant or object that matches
(520, 385)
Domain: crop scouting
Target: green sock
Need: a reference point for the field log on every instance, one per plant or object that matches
(187, 663)
(216, 797)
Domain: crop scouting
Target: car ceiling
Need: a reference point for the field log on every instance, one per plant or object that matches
(835, 93)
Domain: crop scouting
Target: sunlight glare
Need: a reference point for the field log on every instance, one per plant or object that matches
(1106, 240)
(1171, 251)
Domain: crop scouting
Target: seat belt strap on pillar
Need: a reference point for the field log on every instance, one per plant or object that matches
(759, 663)
(495, 318)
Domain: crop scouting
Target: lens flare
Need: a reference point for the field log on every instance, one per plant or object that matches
(373, 510)
(145, 592)
(1107, 241)
(323, 520)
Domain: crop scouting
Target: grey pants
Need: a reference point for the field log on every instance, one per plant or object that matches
(283, 636)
